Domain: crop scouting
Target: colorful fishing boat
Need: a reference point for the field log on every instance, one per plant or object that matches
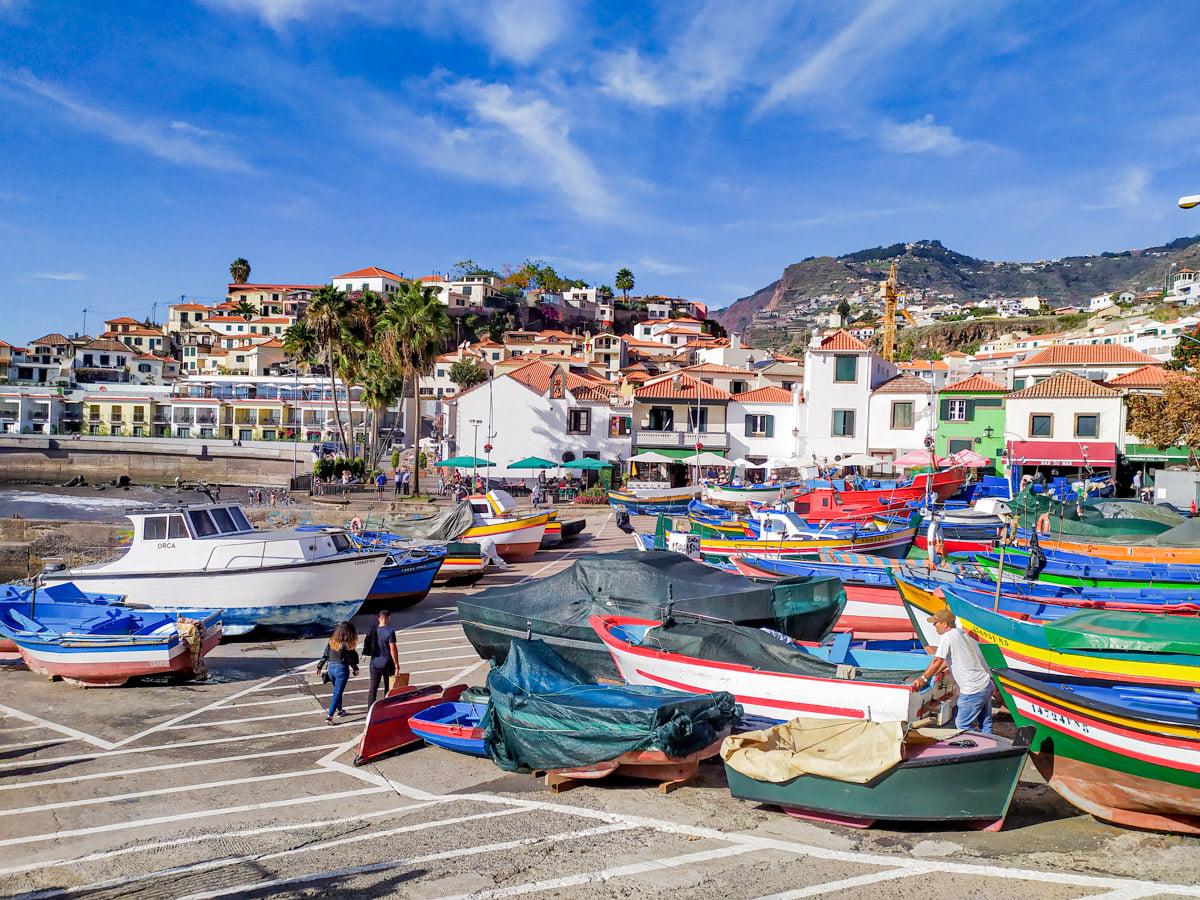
(387, 729)
(798, 541)
(654, 501)
(453, 726)
(1124, 755)
(1075, 570)
(742, 495)
(768, 677)
(211, 557)
(518, 537)
(1180, 544)
(848, 777)
(25, 598)
(97, 645)
(819, 500)
(873, 607)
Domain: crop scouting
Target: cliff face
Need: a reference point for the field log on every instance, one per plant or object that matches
(929, 267)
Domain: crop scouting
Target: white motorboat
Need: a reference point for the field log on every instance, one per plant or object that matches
(517, 536)
(211, 557)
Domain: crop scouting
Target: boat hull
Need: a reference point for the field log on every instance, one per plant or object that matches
(452, 726)
(92, 664)
(670, 502)
(387, 729)
(517, 540)
(774, 695)
(720, 493)
(913, 791)
(407, 582)
(271, 595)
(893, 544)
(1116, 768)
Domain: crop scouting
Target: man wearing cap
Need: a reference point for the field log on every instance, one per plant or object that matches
(957, 651)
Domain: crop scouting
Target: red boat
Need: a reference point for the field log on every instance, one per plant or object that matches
(387, 729)
(835, 500)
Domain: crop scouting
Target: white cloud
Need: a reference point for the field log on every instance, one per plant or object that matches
(521, 30)
(275, 13)
(606, 270)
(1126, 189)
(60, 276)
(628, 77)
(922, 136)
(174, 144)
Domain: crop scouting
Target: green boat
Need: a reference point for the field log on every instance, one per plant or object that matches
(969, 777)
(1073, 570)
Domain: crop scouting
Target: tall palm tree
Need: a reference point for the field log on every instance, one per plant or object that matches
(624, 282)
(383, 386)
(245, 309)
(411, 334)
(300, 343)
(325, 314)
(239, 271)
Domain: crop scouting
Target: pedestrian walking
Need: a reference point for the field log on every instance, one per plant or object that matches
(441, 484)
(397, 478)
(959, 653)
(380, 484)
(380, 647)
(345, 484)
(273, 499)
(339, 660)
(1137, 484)
(537, 495)
(258, 497)
(406, 482)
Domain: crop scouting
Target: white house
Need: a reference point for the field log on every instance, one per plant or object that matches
(372, 278)
(840, 372)
(765, 423)
(1064, 422)
(901, 414)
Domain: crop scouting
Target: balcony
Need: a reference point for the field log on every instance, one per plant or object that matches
(269, 421)
(38, 416)
(710, 440)
(658, 438)
(206, 419)
(162, 417)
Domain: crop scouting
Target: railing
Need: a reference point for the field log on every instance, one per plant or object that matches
(38, 417)
(715, 440)
(206, 420)
(268, 420)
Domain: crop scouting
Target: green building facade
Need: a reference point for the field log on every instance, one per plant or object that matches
(971, 416)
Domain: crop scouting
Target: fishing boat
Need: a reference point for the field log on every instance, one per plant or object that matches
(1134, 648)
(768, 677)
(547, 714)
(1128, 755)
(407, 576)
(873, 606)
(1077, 570)
(742, 495)
(786, 535)
(645, 501)
(820, 499)
(517, 536)
(387, 729)
(854, 772)
(453, 726)
(1180, 544)
(100, 645)
(211, 557)
(464, 563)
(959, 531)
(556, 609)
(25, 598)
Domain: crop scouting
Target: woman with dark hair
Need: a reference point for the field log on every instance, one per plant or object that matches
(340, 657)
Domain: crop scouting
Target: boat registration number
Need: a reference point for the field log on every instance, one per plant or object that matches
(1058, 718)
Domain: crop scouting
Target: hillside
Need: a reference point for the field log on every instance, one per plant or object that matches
(930, 268)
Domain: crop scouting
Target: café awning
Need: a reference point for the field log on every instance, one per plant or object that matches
(1062, 453)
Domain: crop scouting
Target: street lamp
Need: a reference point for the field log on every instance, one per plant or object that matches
(474, 423)
(1190, 201)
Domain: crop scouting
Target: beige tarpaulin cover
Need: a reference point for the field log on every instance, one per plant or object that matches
(845, 749)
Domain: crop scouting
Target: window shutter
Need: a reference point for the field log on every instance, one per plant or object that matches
(944, 411)
(770, 426)
(970, 409)
(749, 424)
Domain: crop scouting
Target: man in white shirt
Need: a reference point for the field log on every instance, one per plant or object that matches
(957, 651)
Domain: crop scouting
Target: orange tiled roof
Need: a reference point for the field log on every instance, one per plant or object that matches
(664, 389)
(842, 340)
(1146, 376)
(1062, 385)
(714, 369)
(904, 384)
(49, 339)
(768, 394)
(103, 344)
(124, 320)
(371, 272)
(1088, 354)
(974, 384)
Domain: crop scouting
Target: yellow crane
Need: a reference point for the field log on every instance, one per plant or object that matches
(890, 306)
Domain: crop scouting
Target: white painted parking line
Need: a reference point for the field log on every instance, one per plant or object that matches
(120, 773)
(189, 816)
(816, 890)
(158, 792)
(175, 745)
(640, 868)
(444, 658)
(211, 836)
(54, 726)
(338, 874)
(459, 645)
(45, 742)
(464, 672)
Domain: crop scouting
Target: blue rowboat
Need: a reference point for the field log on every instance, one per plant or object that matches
(452, 726)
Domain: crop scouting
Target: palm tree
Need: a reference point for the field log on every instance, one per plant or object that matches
(325, 314)
(239, 270)
(411, 333)
(624, 282)
(383, 386)
(245, 309)
(300, 343)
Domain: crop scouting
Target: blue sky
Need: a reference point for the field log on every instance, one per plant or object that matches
(703, 145)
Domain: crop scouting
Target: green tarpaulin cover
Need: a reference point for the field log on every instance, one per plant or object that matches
(1131, 632)
(1071, 520)
(444, 526)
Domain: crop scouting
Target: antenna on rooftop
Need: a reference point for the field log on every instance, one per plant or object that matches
(86, 310)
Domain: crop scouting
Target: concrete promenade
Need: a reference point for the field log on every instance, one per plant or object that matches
(236, 787)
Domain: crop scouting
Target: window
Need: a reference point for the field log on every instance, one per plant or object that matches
(202, 525)
(223, 520)
(154, 528)
(760, 426)
(139, 414)
(843, 422)
(737, 387)
(1018, 383)
(662, 418)
(579, 421)
(957, 411)
(958, 444)
(1041, 425)
(176, 528)
(1087, 426)
(787, 385)
(845, 369)
(618, 426)
(902, 414)
(703, 417)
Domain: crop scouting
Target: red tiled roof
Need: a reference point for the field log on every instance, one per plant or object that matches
(49, 339)
(714, 369)
(974, 384)
(1062, 385)
(842, 340)
(637, 377)
(189, 306)
(124, 320)
(1146, 376)
(371, 272)
(102, 344)
(664, 389)
(768, 394)
(904, 384)
(233, 288)
(1088, 354)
